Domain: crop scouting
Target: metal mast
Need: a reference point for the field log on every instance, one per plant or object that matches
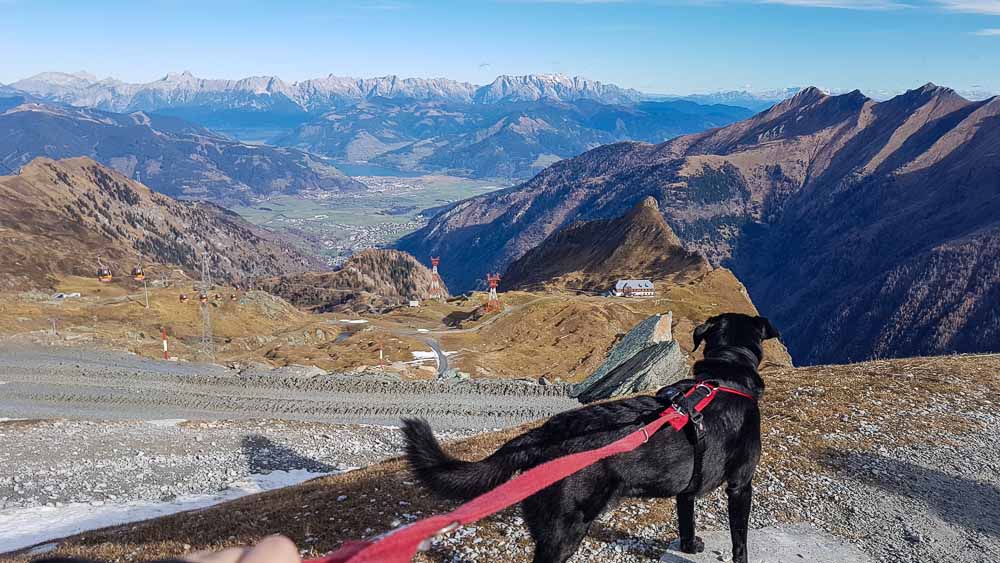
(207, 348)
(436, 292)
(493, 305)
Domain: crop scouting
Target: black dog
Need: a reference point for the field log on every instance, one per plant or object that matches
(728, 448)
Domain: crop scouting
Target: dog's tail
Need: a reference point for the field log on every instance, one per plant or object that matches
(453, 478)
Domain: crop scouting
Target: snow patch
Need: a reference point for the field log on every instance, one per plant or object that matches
(166, 422)
(23, 527)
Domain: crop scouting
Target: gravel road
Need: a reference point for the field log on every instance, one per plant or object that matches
(100, 385)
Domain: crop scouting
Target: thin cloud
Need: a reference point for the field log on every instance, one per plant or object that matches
(990, 7)
(578, 2)
(993, 32)
(876, 5)
(836, 4)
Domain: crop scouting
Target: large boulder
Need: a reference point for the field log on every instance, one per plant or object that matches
(645, 359)
(653, 367)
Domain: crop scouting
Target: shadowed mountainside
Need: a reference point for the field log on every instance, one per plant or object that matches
(862, 228)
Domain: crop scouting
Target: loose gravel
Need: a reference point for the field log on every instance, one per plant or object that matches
(57, 462)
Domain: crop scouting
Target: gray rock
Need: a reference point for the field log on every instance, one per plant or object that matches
(654, 330)
(453, 375)
(653, 367)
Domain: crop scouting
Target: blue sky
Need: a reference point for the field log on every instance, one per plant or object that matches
(676, 46)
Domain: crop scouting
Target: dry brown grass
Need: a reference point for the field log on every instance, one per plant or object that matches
(558, 335)
(802, 408)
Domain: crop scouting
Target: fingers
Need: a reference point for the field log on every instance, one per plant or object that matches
(272, 549)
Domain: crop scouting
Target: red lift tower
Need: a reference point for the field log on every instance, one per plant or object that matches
(436, 291)
(493, 305)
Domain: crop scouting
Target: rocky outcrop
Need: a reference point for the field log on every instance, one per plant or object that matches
(645, 359)
(592, 255)
(657, 366)
(374, 278)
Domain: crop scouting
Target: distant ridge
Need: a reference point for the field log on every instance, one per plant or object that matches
(168, 154)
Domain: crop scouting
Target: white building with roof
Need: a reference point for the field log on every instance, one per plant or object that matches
(633, 288)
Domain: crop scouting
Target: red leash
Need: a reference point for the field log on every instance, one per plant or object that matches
(401, 544)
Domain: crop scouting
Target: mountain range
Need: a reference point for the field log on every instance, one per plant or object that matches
(270, 92)
(510, 128)
(66, 217)
(502, 140)
(862, 228)
(170, 155)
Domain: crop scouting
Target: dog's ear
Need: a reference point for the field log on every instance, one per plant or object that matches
(700, 331)
(768, 328)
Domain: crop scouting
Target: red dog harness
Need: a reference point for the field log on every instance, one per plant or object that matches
(401, 544)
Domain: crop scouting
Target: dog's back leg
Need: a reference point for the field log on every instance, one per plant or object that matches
(690, 543)
(560, 516)
(740, 499)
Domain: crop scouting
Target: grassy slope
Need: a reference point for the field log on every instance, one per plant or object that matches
(551, 334)
(566, 335)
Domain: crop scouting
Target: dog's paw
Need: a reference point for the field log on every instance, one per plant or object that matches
(694, 545)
